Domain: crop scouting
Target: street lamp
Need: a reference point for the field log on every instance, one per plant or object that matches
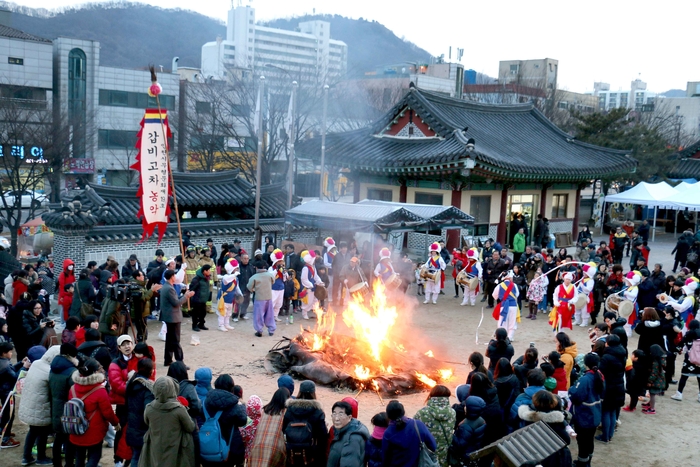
(323, 139)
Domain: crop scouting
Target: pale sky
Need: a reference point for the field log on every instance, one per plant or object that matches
(613, 41)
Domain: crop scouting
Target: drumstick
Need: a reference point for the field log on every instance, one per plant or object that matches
(477, 328)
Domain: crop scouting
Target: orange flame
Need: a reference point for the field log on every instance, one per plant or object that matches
(429, 353)
(446, 374)
(372, 326)
(425, 380)
(362, 372)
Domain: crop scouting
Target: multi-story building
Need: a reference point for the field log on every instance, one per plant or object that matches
(308, 54)
(103, 106)
(540, 74)
(635, 98)
(684, 113)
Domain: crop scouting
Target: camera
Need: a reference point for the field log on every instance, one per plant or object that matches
(49, 322)
(124, 292)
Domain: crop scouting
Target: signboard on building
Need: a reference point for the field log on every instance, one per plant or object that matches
(84, 165)
(26, 154)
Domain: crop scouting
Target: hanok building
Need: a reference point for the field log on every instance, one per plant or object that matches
(98, 221)
(491, 161)
(687, 162)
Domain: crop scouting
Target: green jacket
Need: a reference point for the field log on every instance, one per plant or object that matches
(200, 287)
(440, 420)
(519, 243)
(109, 316)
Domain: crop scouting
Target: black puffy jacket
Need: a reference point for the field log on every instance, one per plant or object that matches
(299, 410)
(612, 365)
(469, 435)
(60, 382)
(139, 393)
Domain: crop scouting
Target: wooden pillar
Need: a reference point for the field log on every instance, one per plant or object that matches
(403, 192)
(543, 200)
(453, 235)
(577, 206)
(501, 232)
(356, 188)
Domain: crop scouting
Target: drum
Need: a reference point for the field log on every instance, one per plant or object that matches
(626, 308)
(580, 302)
(428, 276)
(393, 282)
(473, 283)
(612, 303)
(361, 289)
(320, 292)
(463, 278)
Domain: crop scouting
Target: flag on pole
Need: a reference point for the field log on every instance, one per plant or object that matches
(152, 164)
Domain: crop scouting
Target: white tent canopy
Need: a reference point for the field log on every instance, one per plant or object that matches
(647, 194)
(683, 186)
(686, 199)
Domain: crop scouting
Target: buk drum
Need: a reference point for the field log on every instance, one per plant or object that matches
(626, 309)
(430, 276)
(463, 278)
(580, 302)
(361, 289)
(393, 282)
(612, 303)
(321, 293)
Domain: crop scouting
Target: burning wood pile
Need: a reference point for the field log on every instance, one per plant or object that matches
(375, 357)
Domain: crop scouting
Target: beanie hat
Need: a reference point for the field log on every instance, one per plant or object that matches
(384, 253)
(550, 384)
(307, 386)
(329, 243)
(286, 381)
(36, 352)
(277, 256)
(69, 350)
(435, 246)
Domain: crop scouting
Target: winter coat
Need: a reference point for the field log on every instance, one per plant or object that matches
(31, 327)
(657, 377)
(8, 376)
(557, 421)
(568, 357)
(587, 401)
(401, 447)
(268, 449)
(469, 435)
(83, 292)
(682, 247)
(65, 277)
(168, 440)
(200, 287)
(525, 398)
(170, 304)
(35, 408)
(612, 365)
(301, 410)
(650, 333)
(439, 418)
(637, 378)
(97, 408)
(521, 372)
(60, 382)
(188, 391)
(494, 353)
(19, 286)
(118, 378)
(508, 388)
(492, 415)
(348, 445)
(373, 452)
(139, 393)
(233, 418)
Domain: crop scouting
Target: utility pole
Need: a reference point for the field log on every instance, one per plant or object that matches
(323, 139)
(258, 162)
(292, 137)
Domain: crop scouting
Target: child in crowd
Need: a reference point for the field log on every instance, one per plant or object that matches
(323, 275)
(537, 294)
(657, 378)
(4, 336)
(420, 283)
(637, 379)
(373, 446)
(559, 373)
(89, 322)
(68, 334)
(254, 411)
(296, 303)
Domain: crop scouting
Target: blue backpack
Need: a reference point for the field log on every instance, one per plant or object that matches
(212, 446)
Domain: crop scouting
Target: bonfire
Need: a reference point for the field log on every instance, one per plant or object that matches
(375, 355)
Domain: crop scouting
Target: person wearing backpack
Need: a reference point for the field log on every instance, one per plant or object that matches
(304, 428)
(93, 347)
(89, 387)
(168, 441)
(35, 407)
(139, 393)
(222, 403)
(691, 361)
(8, 378)
(60, 381)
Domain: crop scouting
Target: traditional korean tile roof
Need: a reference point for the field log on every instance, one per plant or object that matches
(686, 168)
(511, 142)
(12, 33)
(224, 193)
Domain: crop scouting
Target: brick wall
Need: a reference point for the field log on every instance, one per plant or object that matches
(69, 245)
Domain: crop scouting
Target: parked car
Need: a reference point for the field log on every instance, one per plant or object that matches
(29, 198)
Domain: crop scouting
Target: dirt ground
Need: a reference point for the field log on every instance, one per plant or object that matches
(452, 331)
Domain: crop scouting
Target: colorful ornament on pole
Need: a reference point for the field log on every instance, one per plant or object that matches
(154, 89)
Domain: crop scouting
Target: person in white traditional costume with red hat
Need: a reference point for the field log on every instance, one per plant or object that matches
(384, 269)
(686, 303)
(472, 269)
(632, 280)
(585, 287)
(331, 251)
(435, 264)
(309, 281)
(277, 270)
(506, 311)
(564, 296)
(229, 290)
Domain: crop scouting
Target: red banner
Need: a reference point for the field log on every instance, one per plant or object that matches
(152, 164)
